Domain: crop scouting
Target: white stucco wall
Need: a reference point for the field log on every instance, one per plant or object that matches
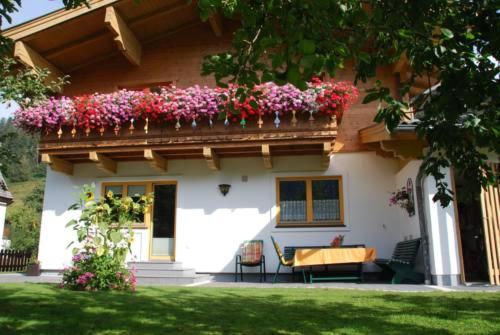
(442, 230)
(3, 211)
(410, 227)
(210, 227)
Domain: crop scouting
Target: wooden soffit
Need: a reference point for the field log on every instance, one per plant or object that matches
(72, 39)
(402, 144)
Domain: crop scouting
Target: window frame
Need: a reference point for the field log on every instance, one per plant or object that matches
(124, 184)
(309, 201)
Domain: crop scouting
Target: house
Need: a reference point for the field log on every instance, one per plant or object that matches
(277, 176)
(5, 200)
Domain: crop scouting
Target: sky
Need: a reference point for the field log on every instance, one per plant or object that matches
(30, 9)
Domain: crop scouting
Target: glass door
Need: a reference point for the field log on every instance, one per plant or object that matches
(163, 222)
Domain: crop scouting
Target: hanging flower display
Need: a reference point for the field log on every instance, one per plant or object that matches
(188, 106)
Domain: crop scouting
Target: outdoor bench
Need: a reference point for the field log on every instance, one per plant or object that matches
(402, 262)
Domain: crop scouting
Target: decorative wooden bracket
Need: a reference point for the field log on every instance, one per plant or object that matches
(32, 59)
(403, 149)
(104, 163)
(125, 39)
(58, 164)
(327, 150)
(266, 155)
(211, 158)
(157, 161)
(216, 24)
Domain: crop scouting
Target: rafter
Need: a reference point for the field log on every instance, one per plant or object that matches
(403, 149)
(125, 39)
(32, 59)
(327, 150)
(211, 158)
(58, 164)
(266, 155)
(103, 162)
(158, 162)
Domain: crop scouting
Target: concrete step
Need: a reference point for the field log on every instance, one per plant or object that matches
(172, 280)
(165, 272)
(155, 265)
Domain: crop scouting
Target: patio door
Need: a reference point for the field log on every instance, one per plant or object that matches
(162, 245)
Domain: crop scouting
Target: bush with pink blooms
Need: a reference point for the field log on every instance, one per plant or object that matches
(103, 239)
(185, 105)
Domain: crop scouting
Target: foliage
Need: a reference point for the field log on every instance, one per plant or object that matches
(43, 309)
(104, 235)
(113, 110)
(24, 228)
(457, 41)
(18, 153)
(26, 86)
(92, 273)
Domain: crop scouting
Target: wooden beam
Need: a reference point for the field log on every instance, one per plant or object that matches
(211, 158)
(125, 39)
(403, 149)
(266, 155)
(104, 163)
(58, 164)
(327, 150)
(32, 59)
(157, 161)
(216, 24)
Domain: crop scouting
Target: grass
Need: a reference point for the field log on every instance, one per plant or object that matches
(46, 309)
(21, 190)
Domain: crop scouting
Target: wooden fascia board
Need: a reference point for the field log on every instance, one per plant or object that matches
(124, 38)
(53, 19)
(211, 158)
(32, 59)
(103, 162)
(157, 161)
(57, 164)
(378, 133)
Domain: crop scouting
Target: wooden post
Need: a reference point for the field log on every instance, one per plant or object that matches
(32, 59)
(211, 158)
(266, 155)
(104, 163)
(58, 164)
(125, 39)
(158, 162)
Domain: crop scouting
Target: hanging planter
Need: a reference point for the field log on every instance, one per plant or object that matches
(403, 198)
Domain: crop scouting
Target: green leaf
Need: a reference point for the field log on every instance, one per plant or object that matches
(371, 97)
(115, 236)
(71, 223)
(307, 47)
(447, 33)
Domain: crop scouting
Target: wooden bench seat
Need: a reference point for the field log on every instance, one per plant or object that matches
(402, 262)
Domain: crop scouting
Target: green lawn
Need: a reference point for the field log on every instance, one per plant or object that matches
(45, 309)
(21, 190)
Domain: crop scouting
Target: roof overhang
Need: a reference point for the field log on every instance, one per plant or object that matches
(403, 143)
(67, 40)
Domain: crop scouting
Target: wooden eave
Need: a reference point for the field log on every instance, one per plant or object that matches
(70, 39)
(159, 146)
(401, 144)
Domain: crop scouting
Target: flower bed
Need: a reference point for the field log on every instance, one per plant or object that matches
(175, 106)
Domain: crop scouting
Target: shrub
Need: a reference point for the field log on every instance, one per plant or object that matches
(104, 235)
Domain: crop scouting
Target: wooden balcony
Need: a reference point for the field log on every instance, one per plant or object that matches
(159, 144)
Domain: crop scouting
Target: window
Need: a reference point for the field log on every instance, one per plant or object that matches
(133, 190)
(310, 201)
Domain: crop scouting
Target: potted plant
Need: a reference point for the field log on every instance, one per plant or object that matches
(33, 267)
(337, 241)
(403, 198)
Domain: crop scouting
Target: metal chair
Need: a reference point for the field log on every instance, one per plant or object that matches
(252, 255)
(284, 261)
